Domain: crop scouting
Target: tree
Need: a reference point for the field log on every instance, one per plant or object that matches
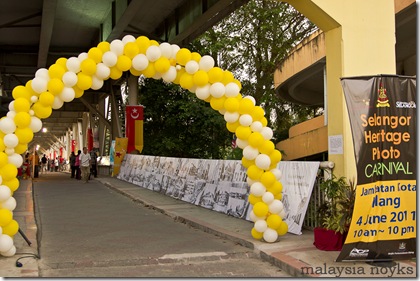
(178, 124)
(250, 43)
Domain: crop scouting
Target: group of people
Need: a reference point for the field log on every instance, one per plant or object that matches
(83, 165)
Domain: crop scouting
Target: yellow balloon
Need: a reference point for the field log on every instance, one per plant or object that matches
(143, 43)
(62, 62)
(88, 66)
(275, 156)
(13, 183)
(2, 146)
(186, 81)
(215, 75)
(254, 199)
(20, 148)
(274, 221)
(84, 81)
(104, 46)
(183, 56)
(21, 92)
(200, 78)
(232, 104)
(46, 99)
(247, 163)
(11, 229)
(162, 65)
(256, 139)
(237, 82)
(95, 54)
(178, 75)
(232, 126)
(22, 105)
(131, 49)
(78, 92)
(6, 217)
(25, 135)
(276, 188)
(227, 77)
(154, 42)
(243, 132)
(267, 147)
(28, 87)
(257, 113)
(283, 228)
(254, 173)
(256, 235)
(268, 179)
(245, 106)
(3, 158)
(264, 121)
(22, 119)
(135, 72)
(123, 63)
(260, 209)
(217, 103)
(55, 86)
(150, 70)
(195, 56)
(41, 111)
(8, 172)
(56, 71)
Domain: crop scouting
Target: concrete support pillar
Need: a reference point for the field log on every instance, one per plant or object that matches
(360, 41)
(133, 89)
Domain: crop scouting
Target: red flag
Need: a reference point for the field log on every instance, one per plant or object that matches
(90, 139)
(134, 127)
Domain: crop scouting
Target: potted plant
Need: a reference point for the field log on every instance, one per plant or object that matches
(334, 215)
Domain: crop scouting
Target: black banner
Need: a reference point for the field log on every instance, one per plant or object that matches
(382, 111)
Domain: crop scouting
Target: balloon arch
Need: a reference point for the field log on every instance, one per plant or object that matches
(67, 79)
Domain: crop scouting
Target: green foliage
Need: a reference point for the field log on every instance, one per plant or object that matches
(336, 212)
(178, 124)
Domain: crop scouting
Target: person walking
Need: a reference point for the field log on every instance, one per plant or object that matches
(72, 161)
(77, 165)
(94, 164)
(44, 163)
(85, 164)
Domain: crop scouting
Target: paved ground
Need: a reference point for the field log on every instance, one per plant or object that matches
(292, 254)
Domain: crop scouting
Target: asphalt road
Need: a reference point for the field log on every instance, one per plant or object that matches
(90, 230)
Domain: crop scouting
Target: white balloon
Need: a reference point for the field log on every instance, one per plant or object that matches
(203, 92)
(260, 225)
(69, 79)
(42, 73)
(12, 105)
(10, 204)
(34, 99)
(241, 143)
(277, 173)
(9, 253)
(16, 160)
(5, 193)
(206, 63)
(102, 71)
(275, 207)
(191, 67)
(251, 98)
(73, 64)
(36, 124)
(157, 75)
(170, 75)
(270, 235)
(249, 152)
(9, 151)
(257, 189)
(109, 58)
(250, 181)
(175, 48)
(263, 161)
(222, 111)
(67, 94)
(153, 53)
(31, 112)
(96, 83)
(82, 56)
(7, 125)
(166, 50)
(58, 102)
(245, 120)
(231, 117)
(268, 198)
(140, 62)
(282, 214)
(6, 243)
(128, 38)
(232, 89)
(117, 47)
(267, 133)
(254, 218)
(39, 84)
(10, 140)
(217, 90)
(11, 114)
(256, 126)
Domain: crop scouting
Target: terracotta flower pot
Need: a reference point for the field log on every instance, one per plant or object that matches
(328, 240)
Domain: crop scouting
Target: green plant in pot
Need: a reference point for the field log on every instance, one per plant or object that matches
(334, 215)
